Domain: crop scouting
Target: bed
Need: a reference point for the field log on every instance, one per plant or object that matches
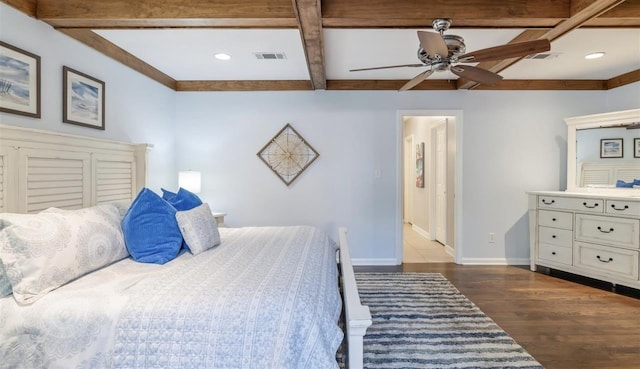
(266, 297)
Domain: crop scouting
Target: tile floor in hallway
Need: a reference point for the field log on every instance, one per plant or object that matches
(418, 249)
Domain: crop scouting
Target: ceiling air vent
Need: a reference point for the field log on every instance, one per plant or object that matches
(270, 56)
(542, 56)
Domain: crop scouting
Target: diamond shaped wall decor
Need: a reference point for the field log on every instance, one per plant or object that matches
(287, 154)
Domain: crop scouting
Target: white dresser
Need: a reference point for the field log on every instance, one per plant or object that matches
(587, 234)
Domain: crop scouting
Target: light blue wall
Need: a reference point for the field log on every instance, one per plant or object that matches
(137, 108)
(512, 142)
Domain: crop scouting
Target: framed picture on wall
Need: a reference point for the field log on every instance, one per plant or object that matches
(19, 81)
(82, 99)
(611, 148)
(420, 165)
(636, 147)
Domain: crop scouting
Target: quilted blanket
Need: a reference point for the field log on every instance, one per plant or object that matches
(267, 297)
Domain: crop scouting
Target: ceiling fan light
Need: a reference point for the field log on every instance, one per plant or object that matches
(222, 56)
(595, 55)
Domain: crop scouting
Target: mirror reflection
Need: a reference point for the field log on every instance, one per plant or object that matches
(608, 157)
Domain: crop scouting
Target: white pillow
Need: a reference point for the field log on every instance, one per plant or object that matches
(199, 228)
(41, 252)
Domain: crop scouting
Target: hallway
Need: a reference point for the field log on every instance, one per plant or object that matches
(417, 249)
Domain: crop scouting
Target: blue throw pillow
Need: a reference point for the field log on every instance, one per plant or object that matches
(621, 183)
(183, 200)
(168, 195)
(150, 229)
(636, 182)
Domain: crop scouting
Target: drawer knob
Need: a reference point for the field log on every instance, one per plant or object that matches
(603, 231)
(553, 220)
(553, 252)
(613, 206)
(554, 236)
(590, 207)
(604, 261)
(548, 202)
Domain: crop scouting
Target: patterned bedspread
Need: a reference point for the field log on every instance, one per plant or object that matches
(265, 298)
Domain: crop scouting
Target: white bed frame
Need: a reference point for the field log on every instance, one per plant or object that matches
(41, 169)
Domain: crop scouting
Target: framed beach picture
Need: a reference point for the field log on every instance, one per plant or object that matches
(82, 99)
(19, 81)
(611, 148)
(420, 165)
(636, 147)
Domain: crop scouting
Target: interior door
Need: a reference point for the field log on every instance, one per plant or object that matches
(441, 183)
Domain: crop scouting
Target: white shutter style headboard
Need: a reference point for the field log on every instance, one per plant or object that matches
(42, 169)
(607, 172)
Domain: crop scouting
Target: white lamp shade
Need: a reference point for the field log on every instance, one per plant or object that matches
(190, 180)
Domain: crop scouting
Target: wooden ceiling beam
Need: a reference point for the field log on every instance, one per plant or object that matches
(626, 14)
(395, 84)
(28, 7)
(166, 13)
(309, 16)
(465, 13)
(546, 84)
(335, 13)
(387, 84)
(582, 11)
(280, 85)
(109, 49)
(624, 79)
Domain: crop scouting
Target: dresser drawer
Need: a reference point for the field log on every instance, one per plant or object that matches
(555, 219)
(608, 230)
(614, 261)
(571, 203)
(555, 236)
(622, 207)
(555, 253)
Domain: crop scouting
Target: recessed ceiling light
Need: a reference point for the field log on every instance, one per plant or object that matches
(596, 55)
(222, 56)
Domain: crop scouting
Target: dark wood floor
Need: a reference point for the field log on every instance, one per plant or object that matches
(564, 321)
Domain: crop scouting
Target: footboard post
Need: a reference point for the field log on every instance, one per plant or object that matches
(357, 316)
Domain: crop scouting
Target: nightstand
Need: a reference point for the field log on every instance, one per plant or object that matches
(219, 217)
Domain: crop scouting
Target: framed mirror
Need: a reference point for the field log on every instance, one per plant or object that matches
(603, 149)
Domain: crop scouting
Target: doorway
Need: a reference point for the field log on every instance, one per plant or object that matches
(429, 223)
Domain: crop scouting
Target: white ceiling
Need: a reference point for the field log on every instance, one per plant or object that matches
(187, 54)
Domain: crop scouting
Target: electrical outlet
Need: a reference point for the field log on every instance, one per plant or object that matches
(492, 237)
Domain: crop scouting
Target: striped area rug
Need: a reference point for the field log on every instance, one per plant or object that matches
(420, 320)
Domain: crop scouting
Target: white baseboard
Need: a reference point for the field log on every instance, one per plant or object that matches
(421, 231)
(494, 261)
(374, 262)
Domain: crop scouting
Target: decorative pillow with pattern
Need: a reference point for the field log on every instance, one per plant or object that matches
(41, 252)
(199, 228)
(5, 285)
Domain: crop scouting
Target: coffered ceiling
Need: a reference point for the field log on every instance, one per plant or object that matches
(318, 42)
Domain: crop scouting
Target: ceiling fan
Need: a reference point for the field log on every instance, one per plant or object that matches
(442, 52)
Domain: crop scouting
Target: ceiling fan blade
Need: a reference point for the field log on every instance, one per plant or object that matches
(416, 80)
(476, 74)
(506, 51)
(433, 43)
(389, 66)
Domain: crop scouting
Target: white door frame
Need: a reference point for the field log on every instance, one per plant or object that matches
(433, 190)
(408, 168)
(459, 241)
